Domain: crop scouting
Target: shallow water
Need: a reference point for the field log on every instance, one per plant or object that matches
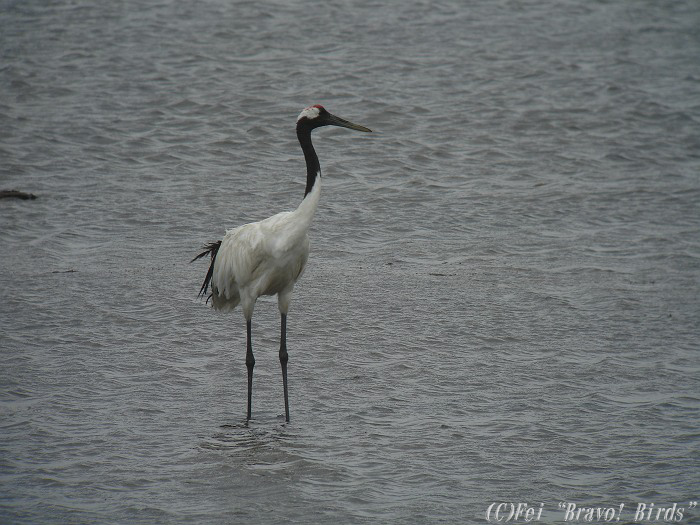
(501, 303)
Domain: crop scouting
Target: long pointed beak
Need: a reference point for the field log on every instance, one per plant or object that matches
(337, 121)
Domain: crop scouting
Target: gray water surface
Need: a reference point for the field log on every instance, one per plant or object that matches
(503, 293)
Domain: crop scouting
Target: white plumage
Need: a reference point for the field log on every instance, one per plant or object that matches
(264, 258)
(269, 256)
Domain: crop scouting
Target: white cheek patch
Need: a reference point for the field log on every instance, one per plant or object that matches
(310, 113)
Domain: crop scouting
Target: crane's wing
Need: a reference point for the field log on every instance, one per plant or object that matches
(241, 253)
(262, 257)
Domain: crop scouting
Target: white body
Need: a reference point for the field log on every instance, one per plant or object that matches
(264, 258)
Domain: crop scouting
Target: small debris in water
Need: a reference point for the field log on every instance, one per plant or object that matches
(16, 194)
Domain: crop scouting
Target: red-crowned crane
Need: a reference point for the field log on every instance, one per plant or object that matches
(268, 257)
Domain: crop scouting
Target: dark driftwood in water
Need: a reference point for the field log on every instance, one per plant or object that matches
(16, 194)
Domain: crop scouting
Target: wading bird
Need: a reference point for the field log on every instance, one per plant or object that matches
(268, 257)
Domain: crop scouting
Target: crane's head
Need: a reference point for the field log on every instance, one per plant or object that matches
(316, 116)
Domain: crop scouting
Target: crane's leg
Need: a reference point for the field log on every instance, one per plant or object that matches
(249, 363)
(284, 357)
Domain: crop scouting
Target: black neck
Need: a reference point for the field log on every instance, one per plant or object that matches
(313, 168)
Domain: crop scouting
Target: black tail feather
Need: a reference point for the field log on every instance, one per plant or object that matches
(209, 249)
